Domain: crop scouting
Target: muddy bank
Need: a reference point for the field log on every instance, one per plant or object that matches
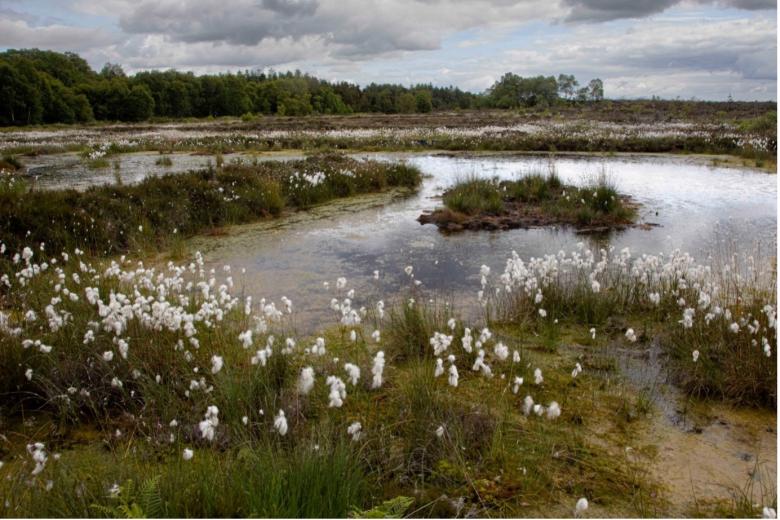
(707, 454)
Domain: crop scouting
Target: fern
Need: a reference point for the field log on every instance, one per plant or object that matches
(147, 504)
(150, 499)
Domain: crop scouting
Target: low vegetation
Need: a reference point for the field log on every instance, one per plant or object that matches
(717, 323)
(9, 164)
(533, 200)
(140, 391)
(115, 219)
(163, 391)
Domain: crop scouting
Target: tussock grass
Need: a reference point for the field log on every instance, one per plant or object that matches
(9, 163)
(475, 196)
(164, 161)
(538, 198)
(732, 331)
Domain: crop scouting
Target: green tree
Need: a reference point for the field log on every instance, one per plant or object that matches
(326, 101)
(20, 102)
(512, 91)
(139, 105)
(423, 101)
(407, 103)
(596, 90)
(567, 85)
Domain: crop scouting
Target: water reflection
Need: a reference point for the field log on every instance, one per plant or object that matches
(697, 206)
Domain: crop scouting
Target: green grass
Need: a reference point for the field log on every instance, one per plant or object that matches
(164, 161)
(274, 481)
(113, 219)
(10, 163)
(491, 457)
(98, 163)
(540, 197)
(535, 187)
(475, 196)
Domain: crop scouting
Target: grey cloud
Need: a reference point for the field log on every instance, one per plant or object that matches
(242, 22)
(292, 7)
(750, 5)
(11, 14)
(744, 50)
(606, 10)
(355, 28)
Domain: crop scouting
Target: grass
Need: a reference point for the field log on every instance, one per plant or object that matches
(475, 196)
(490, 458)
(114, 219)
(164, 161)
(732, 329)
(269, 481)
(534, 199)
(97, 163)
(9, 163)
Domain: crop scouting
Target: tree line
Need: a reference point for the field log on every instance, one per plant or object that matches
(39, 86)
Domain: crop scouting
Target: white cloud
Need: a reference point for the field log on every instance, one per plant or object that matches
(688, 50)
(15, 33)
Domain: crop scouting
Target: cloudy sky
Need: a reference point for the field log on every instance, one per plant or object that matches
(708, 49)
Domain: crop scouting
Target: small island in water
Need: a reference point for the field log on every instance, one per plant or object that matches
(536, 199)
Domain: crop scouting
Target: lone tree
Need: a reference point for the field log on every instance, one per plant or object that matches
(596, 90)
(567, 85)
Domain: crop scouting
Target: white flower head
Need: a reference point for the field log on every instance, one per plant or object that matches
(581, 506)
(306, 381)
(553, 411)
(216, 363)
(355, 430)
(280, 423)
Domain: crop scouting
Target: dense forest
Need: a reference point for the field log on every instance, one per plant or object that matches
(38, 86)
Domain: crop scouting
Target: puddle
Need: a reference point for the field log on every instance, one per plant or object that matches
(69, 170)
(707, 451)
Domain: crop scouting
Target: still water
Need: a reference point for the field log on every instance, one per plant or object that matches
(700, 209)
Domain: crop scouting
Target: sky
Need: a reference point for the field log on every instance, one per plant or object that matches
(703, 49)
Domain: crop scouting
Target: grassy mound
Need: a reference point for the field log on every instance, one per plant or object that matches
(115, 219)
(475, 196)
(535, 199)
